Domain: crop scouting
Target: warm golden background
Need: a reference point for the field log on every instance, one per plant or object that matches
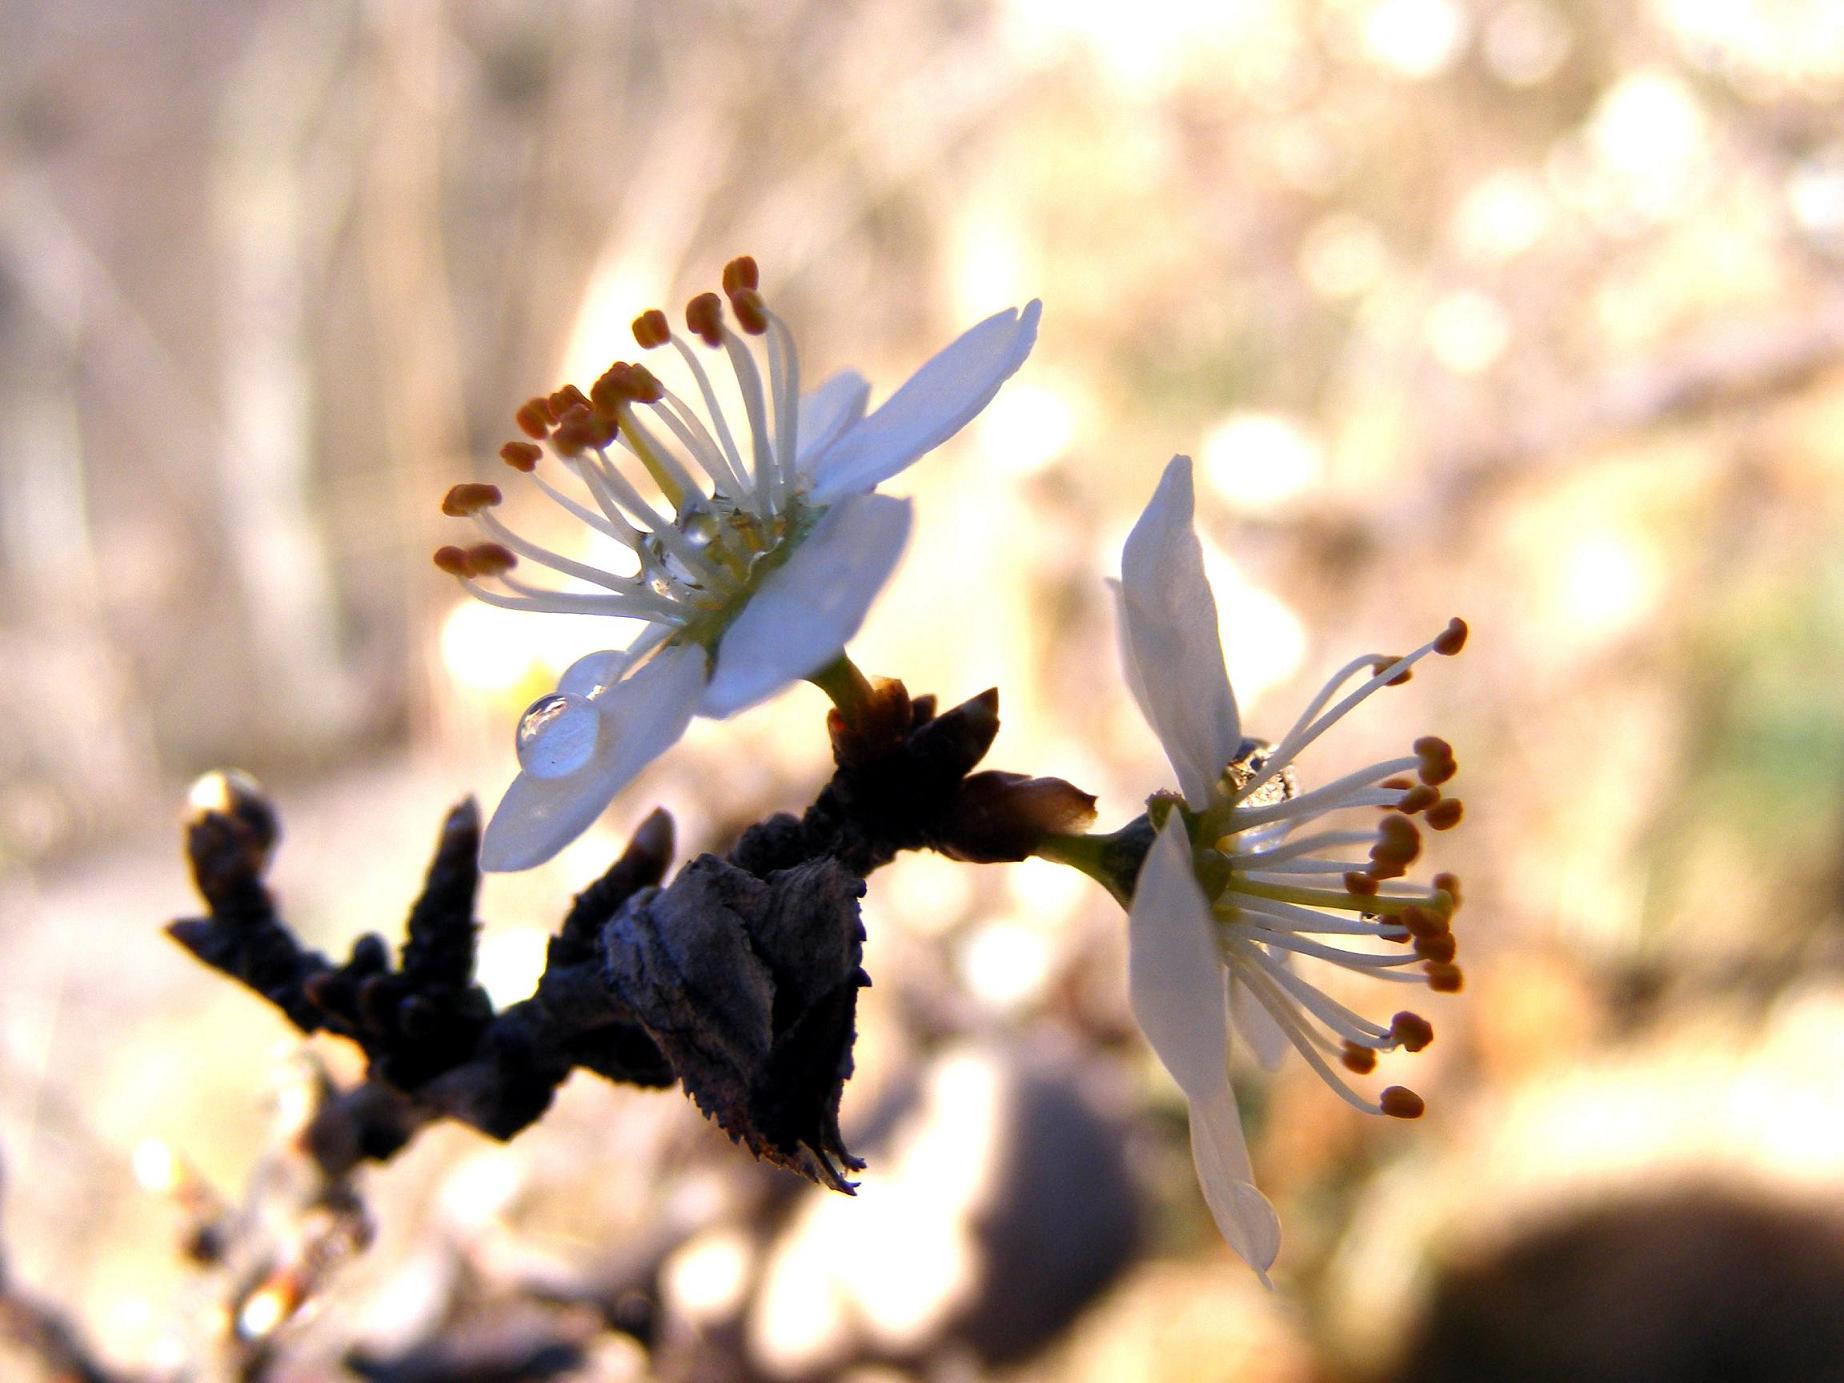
(1529, 311)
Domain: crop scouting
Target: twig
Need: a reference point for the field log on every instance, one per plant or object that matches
(739, 980)
(42, 1330)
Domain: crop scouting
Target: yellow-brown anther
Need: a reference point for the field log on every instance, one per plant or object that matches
(623, 384)
(1450, 885)
(741, 273)
(1397, 841)
(1440, 948)
(469, 498)
(1381, 663)
(1418, 798)
(607, 394)
(751, 314)
(1400, 1102)
(1422, 921)
(1359, 1060)
(651, 329)
(1437, 761)
(534, 418)
(1451, 639)
(1445, 814)
(1397, 784)
(453, 560)
(1363, 885)
(564, 400)
(1411, 1031)
(580, 429)
(1397, 845)
(646, 386)
(704, 318)
(521, 456)
(1444, 977)
(489, 559)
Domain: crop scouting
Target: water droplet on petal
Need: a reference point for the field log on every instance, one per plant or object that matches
(593, 673)
(557, 735)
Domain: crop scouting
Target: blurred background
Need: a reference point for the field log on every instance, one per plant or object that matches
(1526, 310)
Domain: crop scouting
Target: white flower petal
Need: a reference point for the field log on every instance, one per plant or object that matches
(1174, 973)
(800, 617)
(1242, 1213)
(826, 413)
(594, 674)
(938, 400)
(1255, 1025)
(1129, 665)
(1173, 652)
(641, 717)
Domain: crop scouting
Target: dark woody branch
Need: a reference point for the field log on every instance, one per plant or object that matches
(738, 980)
(34, 1326)
(905, 782)
(435, 1046)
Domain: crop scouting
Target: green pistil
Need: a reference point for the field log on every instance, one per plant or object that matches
(662, 477)
(760, 551)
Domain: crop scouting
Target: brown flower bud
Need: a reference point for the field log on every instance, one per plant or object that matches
(999, 816)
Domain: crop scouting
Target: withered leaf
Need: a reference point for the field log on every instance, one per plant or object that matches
(750, 988)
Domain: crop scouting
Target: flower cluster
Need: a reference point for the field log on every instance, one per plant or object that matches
(753, 551)
(1244, 878)
(749, 565)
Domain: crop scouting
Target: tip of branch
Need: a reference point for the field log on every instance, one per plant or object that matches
(231, 833)
(653, 838)
(464, 816)
(195, 934)
(957, 739)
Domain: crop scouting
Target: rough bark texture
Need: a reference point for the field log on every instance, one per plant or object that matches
(738, 980)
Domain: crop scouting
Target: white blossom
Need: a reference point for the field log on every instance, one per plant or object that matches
(1242, 879)
(753, 549)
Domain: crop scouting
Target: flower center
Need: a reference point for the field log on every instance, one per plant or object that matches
(727, 519)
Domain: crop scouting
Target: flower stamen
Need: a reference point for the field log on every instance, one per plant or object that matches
(1443, 978)
(652, 329)
(702, 556)
(747, 575)
(1411, 1031)
(1261, 979)
(1445, 814)
(755, 408)
(1271, 894)
(784, 379)
(1312, 724)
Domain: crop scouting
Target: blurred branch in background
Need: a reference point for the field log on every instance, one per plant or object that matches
(39, 1329)
(271, 232)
